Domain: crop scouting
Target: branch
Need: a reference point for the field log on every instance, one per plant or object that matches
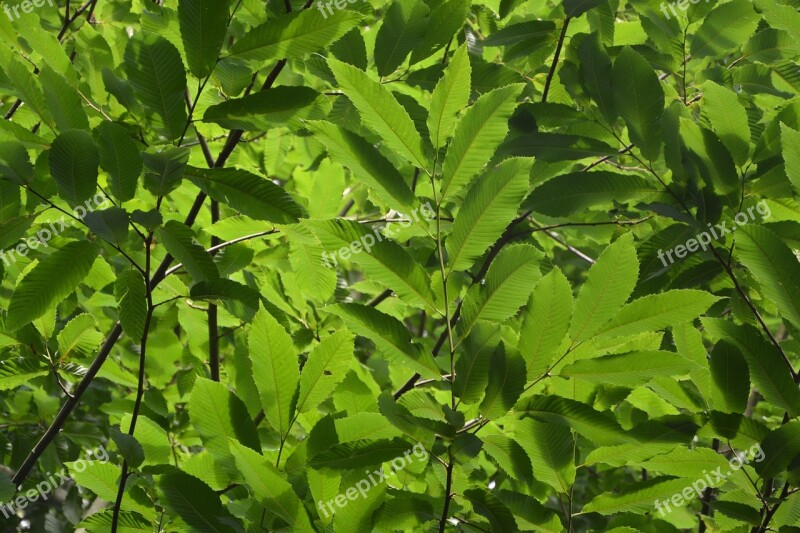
(555, 59)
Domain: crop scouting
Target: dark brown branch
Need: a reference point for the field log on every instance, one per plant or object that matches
(555, 59)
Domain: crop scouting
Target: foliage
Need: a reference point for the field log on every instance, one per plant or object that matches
(257, 320)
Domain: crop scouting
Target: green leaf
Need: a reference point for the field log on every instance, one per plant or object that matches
(281, 106)
(270, 488)
(381, 112)
(489, 206)
(730, 381)
(727, 27)
(248, 193)
(710, 158)
(449, 97)
(598, 427)
(239, 300)
(390, 336)
(294, 35)
(509, 282)
(384, 261)
(446, 19)
(359, 454)
(596, 71)
(551, 449)
(366, 163)
(637, 498)
(53, 279)
(478, 134)
(326, 367)
(79, 337)
(628, 370)
(790, 150)
(509, 455)
(774, 266)
(768, 371)
(218, 415)
(15, 163)
(554, 147)
(506, 382)
(109, 224)
(568, 194)
(63, 101)
(131, 294)
(120, 157)
(658, 311)
(545, 322)
(488, 505)
(195, 502)
(164, 169)
(20, 371)
(639, 99)
(273, 358)
(472, 367)
(576, 8)
(203, 26)
(729, 120)
(158, 78)
(129, 447)
(74, 162)
(178, 239)
(780, 449)
(403, 27)
(608, 285)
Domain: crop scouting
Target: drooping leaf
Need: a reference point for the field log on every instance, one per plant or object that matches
(52, 280)
(569, 193)
(74, 162)
(381, 111)
(506, 382)
(195, 502)
(775, 267)
(639, 99)
(120, 157)
(365, 162)
(269, 487)
(158, 78)
(768, 371)
(253, 195)
(179, 240)
(403, 26)
(203, 26)
(389, 335)
(264, 110)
